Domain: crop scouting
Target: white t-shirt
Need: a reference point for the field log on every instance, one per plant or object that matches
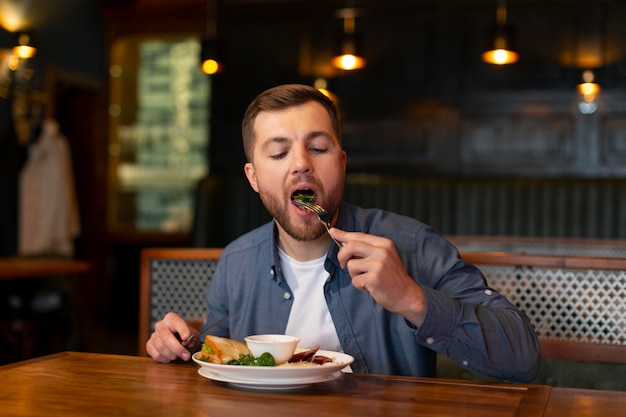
(309, 319)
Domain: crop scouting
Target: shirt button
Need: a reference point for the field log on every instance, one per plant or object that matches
(488, 292)
(286, 296)
(465, 363)
(430, 340)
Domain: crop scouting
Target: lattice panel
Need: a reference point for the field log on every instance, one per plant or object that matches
(179, 285)
(587, 306)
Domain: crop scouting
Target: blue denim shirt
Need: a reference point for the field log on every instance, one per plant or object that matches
(466, 320)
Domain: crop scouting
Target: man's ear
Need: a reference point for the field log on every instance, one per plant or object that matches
(248, 168)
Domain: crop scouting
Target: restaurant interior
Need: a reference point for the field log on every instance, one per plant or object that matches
(494, 155)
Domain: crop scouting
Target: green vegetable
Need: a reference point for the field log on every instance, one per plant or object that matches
(306, 198)
(266, 359)
(207, 349)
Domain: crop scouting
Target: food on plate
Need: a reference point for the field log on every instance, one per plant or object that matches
(217, 349)
(304, 355)
(309, 356)
(266, 359)
(221, 350)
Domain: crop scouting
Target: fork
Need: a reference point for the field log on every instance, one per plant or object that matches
(321, 213)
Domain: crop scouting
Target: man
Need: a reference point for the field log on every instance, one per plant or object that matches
(395, 292)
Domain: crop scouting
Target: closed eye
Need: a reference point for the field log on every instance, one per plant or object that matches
(319, 150)
(278, 156)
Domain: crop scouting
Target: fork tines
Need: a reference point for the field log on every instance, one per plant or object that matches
(309, 206)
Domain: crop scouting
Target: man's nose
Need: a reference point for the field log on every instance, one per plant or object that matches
(302, 162)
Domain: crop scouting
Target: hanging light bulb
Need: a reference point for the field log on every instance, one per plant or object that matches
(501, 41)
(208, 60)
(588, 89)
(23, 50)
(349, 55)
(209, 52)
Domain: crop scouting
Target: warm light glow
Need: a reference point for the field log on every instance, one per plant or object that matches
(348, 62)
(13, 15)
(322, 85)
(348, 57)
(588, 89)
(501, 40)
(325, 92)
(24, 51)
(14, 62)
(210, 66)
(500, 57)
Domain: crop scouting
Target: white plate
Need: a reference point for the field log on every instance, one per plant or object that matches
(268, 385)
(275, 375)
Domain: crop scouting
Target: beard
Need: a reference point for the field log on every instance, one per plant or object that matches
(309, 228)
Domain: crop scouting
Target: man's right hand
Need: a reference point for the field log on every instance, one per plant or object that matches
(165, 345)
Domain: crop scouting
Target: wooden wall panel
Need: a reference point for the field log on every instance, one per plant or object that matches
(510, 142)
(613, 140)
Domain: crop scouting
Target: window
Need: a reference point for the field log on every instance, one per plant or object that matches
(159, 133)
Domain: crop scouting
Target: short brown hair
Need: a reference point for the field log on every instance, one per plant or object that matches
(282, 97)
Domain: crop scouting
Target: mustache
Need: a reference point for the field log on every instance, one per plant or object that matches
(305, 178)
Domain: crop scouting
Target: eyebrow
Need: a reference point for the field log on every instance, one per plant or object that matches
(318, 133)
(277, 139)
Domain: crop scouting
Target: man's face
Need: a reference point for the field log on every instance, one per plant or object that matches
(296, 150)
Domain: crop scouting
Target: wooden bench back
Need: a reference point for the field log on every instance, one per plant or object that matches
(541, 245)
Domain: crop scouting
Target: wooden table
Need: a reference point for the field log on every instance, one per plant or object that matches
(17, 268)
(24, 333)
(79, 384)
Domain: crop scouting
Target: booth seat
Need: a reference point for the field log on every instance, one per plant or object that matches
(576, 305)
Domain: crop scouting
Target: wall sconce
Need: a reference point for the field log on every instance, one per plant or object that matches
(23, 50)
(349, 55)
(209, 52)
(501, 40)
(588, 89)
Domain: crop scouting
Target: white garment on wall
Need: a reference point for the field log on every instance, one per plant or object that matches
(48, 210)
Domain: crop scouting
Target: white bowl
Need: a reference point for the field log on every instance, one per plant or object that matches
(280, 346)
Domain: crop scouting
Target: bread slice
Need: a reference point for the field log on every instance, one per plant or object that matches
(222, 350)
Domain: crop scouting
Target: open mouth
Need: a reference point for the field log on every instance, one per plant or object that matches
(305, 195)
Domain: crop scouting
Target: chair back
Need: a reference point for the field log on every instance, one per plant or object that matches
(173, 279)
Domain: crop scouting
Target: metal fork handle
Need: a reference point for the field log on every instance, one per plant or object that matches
(327, 226)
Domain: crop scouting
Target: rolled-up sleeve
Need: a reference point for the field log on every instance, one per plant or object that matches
(468, 321)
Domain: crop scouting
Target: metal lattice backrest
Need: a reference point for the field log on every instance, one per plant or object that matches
(174, 279)
(587, 306)
(180, 285)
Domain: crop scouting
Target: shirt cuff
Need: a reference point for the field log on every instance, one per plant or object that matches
(440, 321)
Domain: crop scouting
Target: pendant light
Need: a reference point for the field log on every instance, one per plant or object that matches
(501, 40)
(349, 55)
(23, 50)
(209, 52)
(588, 89)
